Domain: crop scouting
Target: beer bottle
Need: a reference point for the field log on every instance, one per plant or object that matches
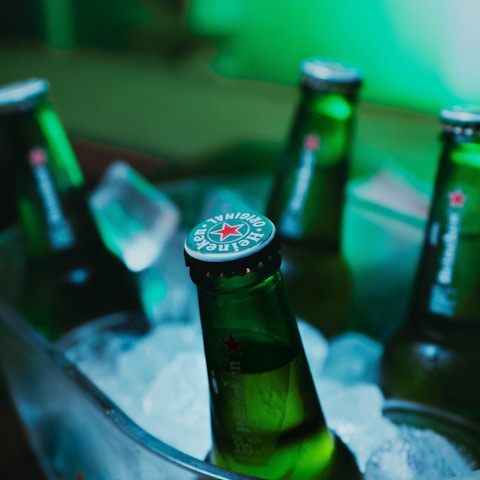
(306, 201)
(434, 357)
(265, 413)
(70, 276)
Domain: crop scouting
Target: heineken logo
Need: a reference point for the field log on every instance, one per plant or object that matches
(311, 142)
(456, 198)
(37, 157)
(228, 231)
(232, 345)
(229, 236)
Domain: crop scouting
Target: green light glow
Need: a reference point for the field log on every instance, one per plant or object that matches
(420, 55)
(467, 154)
(60, 144)
(333, 106)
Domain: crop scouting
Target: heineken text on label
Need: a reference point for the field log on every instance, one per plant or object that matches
(59, 232)
(433, 358)
(307, 163)
(442, 300)
(241, 443)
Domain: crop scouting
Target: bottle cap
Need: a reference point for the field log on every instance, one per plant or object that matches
(461, 119)
(461, 114)
(324, 73)
(232, 244)
(22, 93)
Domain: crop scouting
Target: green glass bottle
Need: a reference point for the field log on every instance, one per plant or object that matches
(70, 276)
(307, 198)
(265, 413)
(434, 357)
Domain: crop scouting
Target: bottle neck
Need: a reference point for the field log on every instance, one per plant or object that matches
(48, 182)
(306, 201)
(261, 389)
(448, 277)
(248, 303)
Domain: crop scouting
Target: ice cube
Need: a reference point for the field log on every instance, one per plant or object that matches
(169, 295)
(353, 357)
(113, 362)
(165, 375)
(221, 200)
(355, 414)
(136, 218)
(416, 455)
(315, 345)
(175, 406)
(471, 476)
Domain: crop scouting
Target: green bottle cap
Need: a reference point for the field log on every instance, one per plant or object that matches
(233, 242)
(19, 93)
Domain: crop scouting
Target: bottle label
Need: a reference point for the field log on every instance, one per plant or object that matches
(311, 144)
(289, 221)
(443, 298)
(311, 187)
(59, 230)
(229, 236)
(265, 408)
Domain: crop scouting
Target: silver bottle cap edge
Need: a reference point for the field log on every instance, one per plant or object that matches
(330, 69)
(19, 92)
(468, 113)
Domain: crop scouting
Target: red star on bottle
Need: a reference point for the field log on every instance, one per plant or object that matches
(457, 198)
(312, 142)
(228, 230)
(37, 157)
(232, 345)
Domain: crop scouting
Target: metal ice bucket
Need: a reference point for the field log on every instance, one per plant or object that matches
(79, 433)
(74, 429)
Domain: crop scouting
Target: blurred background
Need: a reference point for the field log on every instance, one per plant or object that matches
(192, 80)
(417, 55)
(187, 88)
